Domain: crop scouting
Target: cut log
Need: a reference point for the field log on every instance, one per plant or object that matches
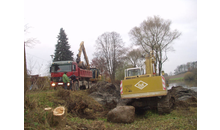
(59, 117)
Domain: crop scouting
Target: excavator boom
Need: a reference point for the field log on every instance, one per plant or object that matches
(78, 59)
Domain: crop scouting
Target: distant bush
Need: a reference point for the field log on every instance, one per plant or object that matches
(188, 76)
(191, 76)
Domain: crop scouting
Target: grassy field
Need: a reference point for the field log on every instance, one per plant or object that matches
(176, 76)
(177, 79)
(36, 118)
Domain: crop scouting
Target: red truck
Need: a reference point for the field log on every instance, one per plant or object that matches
(58, 68)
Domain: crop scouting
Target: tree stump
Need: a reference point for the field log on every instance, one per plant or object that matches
(59, 117)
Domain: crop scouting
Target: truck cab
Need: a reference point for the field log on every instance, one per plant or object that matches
(57, 70)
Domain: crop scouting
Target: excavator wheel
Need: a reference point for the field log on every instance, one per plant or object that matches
(165, 104)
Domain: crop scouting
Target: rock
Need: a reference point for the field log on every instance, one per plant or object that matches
(105, 99)
(182, 94)
(98, 97)
(184, 97)
(94, 88)
(121, 114)
(109, 87)
(105, 93)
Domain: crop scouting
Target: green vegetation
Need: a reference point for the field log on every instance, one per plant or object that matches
(178, 119)
(177, 79)
(36, 118)
(62, 51)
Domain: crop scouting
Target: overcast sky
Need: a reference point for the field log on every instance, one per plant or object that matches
(86, 20)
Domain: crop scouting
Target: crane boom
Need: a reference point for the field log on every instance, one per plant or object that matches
(78, 59)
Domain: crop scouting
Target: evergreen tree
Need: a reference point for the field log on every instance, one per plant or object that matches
(62, 52)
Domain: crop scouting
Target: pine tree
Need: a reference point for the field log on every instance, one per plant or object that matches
(62, 52)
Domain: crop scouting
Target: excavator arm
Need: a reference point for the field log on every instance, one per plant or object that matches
(78, 59)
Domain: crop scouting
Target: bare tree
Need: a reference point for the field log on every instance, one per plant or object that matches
(136, 57)
(110, 47)
(31, 65)
(155, 35)
(99, 62)
(29, 42)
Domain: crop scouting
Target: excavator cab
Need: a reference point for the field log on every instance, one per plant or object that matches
(133, 73)
(95, 75)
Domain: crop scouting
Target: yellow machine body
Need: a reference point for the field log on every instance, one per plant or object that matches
(143, 86)
(136, 84)
(95, 75)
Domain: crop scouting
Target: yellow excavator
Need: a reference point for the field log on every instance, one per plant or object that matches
(148, 88)
(96, 76)
(78, 59)
(95, 72)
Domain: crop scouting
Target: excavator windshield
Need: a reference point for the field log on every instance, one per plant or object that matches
(133, 72)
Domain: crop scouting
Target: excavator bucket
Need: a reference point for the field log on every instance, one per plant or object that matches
(141, 87)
